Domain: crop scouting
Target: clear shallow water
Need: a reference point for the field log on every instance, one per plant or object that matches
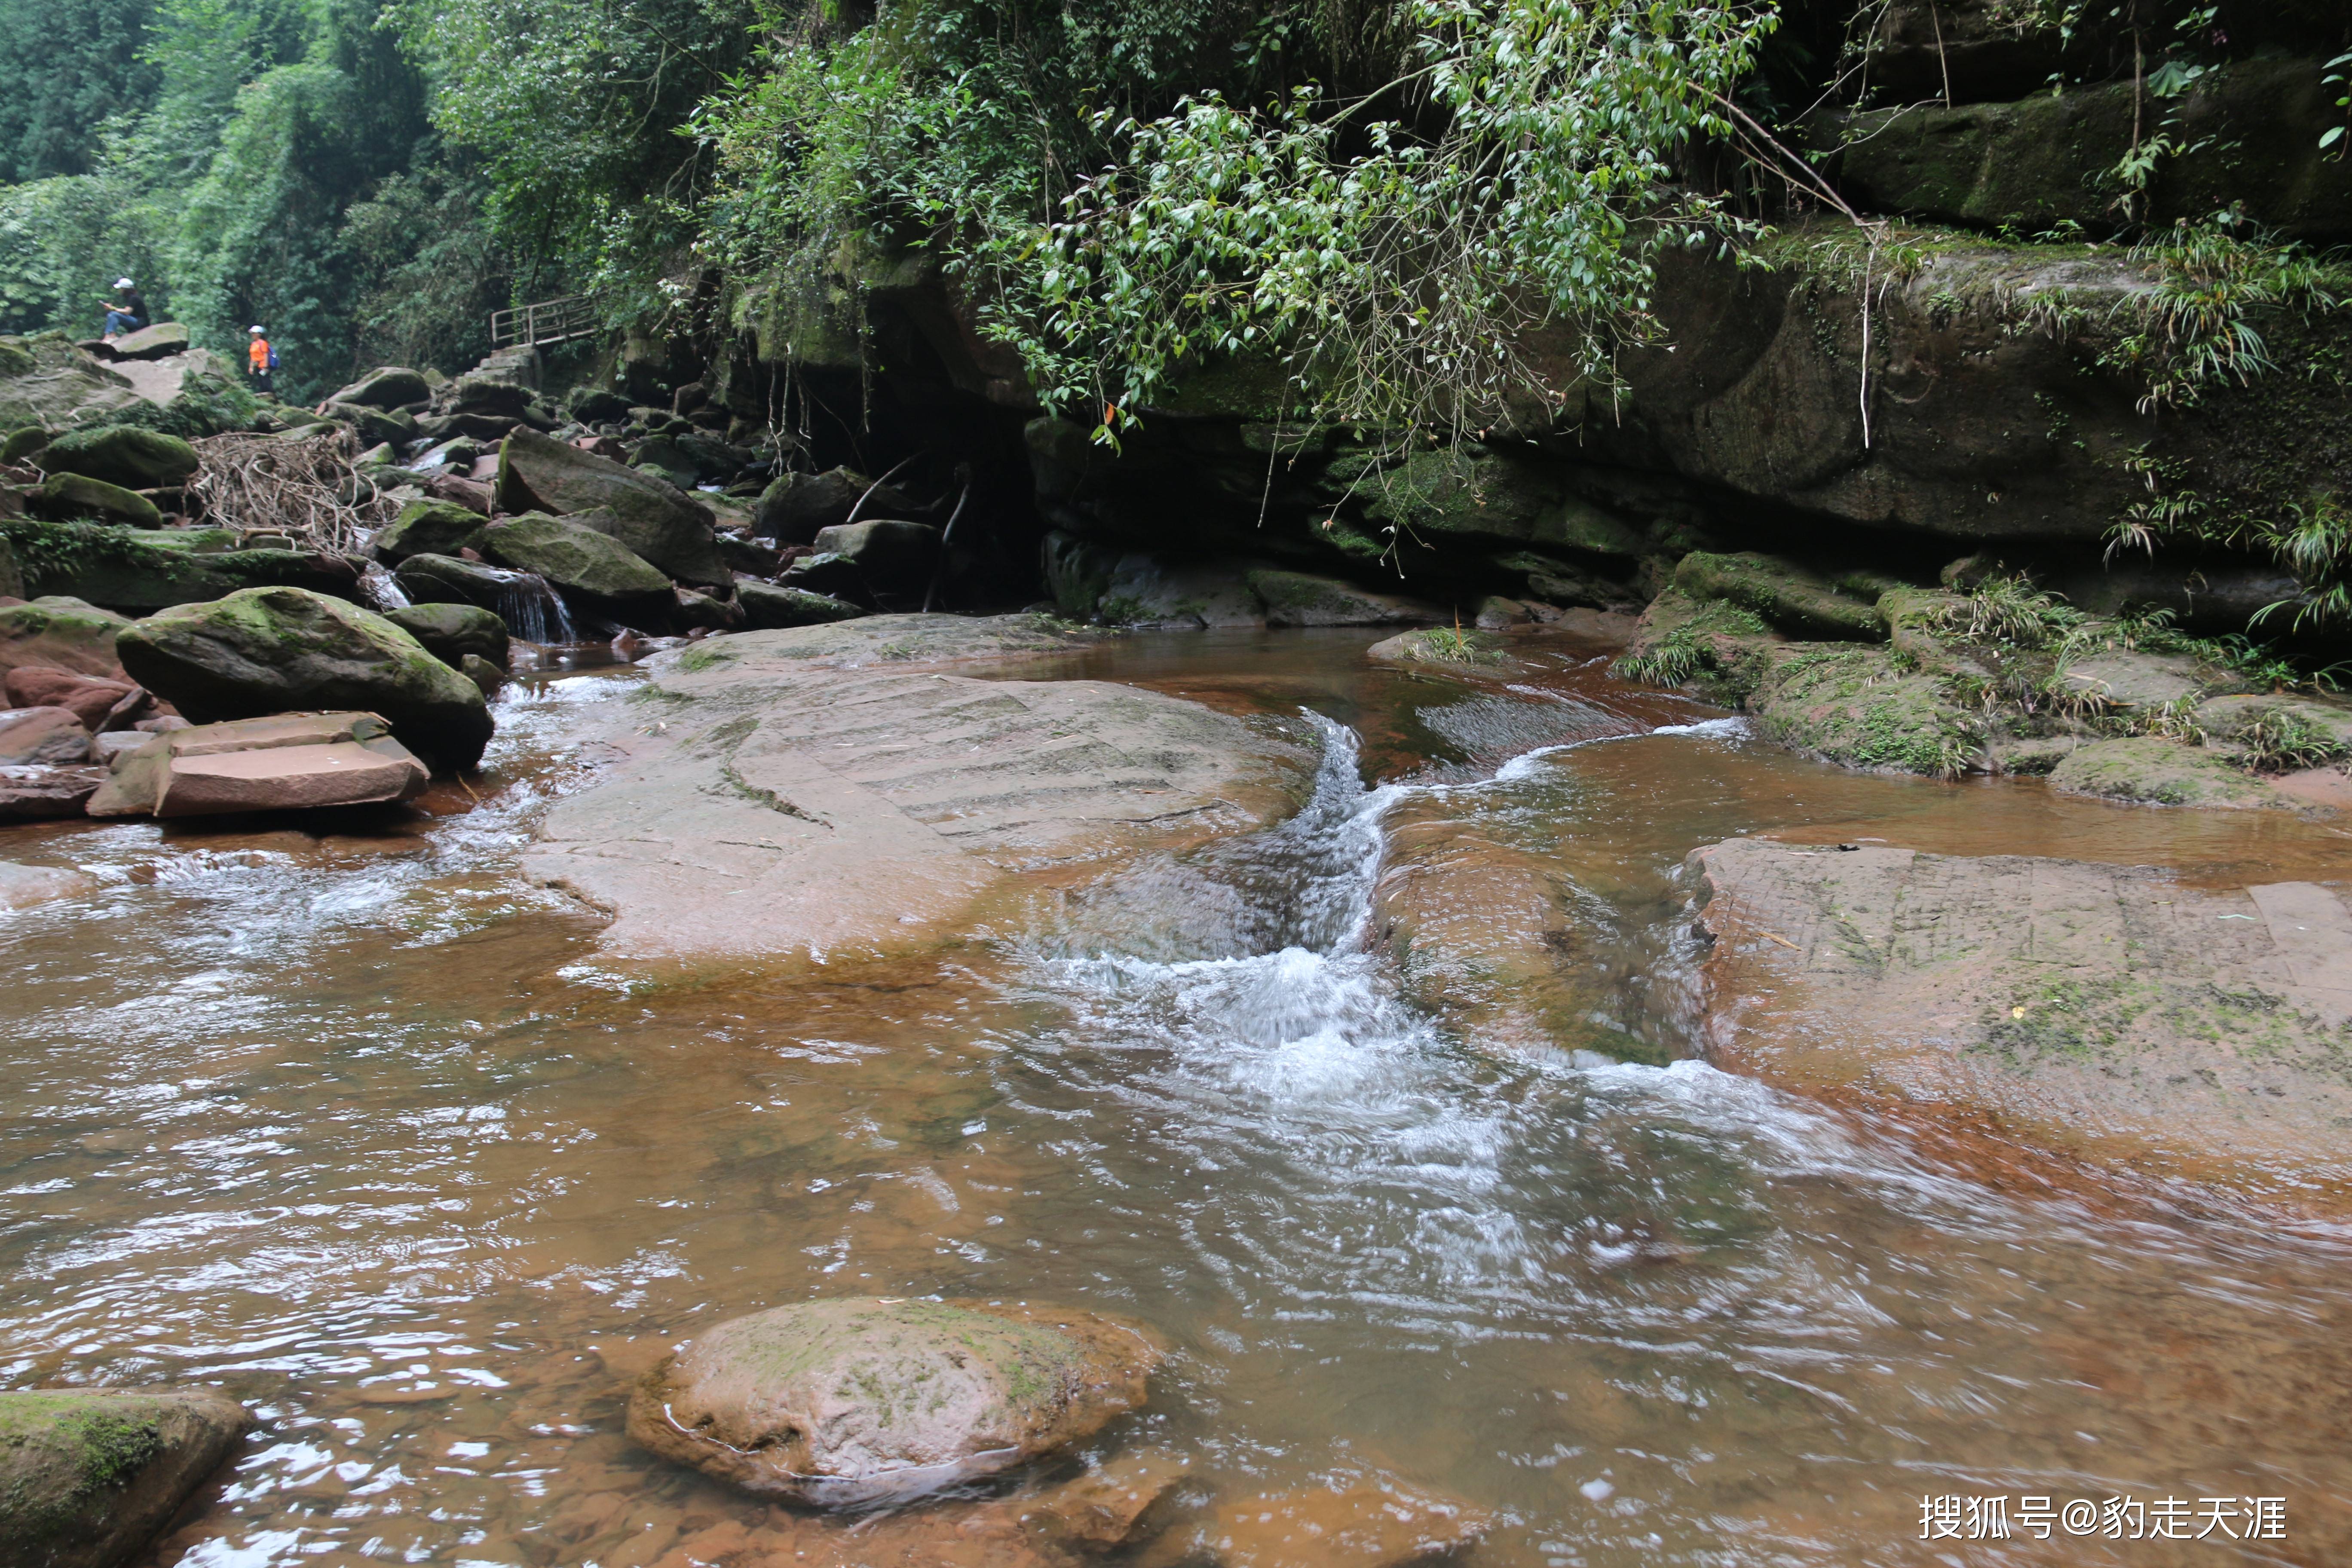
(361, 1130)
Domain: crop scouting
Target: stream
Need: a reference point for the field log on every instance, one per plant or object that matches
(359, 1126)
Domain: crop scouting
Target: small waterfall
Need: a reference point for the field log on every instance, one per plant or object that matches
(532, 611)
(381, 590)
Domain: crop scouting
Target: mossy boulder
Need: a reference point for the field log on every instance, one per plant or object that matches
(1857, 708)
(45, 380)
(1440, 645)
(124, 455)
(279, 651)
(152, 569)
(58, 633)
(430, 579)
(78, 496)
(427, 527)
(2127, 678)
(2250, 134)
(2278, 733)
(769, 606)
(1791, 598)
(1480, 491)
(795, 507)
(374, 426)
(853, 1402)
(579, 561)
(22, 445)
(650, 518)
(452, 632)
(1711, 646)
(392, 386)
(88, 1476)
(2149, 770)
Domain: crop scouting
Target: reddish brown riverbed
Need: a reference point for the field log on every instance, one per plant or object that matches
(361, 1128)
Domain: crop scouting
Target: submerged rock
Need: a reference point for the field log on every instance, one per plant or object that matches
(1361, 1527)
(840, 786)
(2106, 1012)
(277, 650)
(88, 1476)
(291, 762)
(842, 1403)
(23, 886)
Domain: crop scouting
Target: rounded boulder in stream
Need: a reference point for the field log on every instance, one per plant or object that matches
(853, 1402)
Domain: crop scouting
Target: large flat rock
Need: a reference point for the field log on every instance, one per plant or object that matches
(846, 787)
(2103, 1012)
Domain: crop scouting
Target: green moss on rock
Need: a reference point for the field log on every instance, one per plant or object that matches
(1858, 708)
(279, 651)
(2149, 770)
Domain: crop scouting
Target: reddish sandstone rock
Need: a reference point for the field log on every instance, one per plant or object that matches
(855, 1402)
(88, 697)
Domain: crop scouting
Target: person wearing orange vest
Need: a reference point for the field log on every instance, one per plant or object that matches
(261, 359)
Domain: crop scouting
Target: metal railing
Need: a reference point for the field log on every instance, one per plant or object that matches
(548, 321)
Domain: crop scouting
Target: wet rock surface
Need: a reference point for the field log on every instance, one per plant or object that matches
(286, 763)
(278, 650)
(819, 788)
(854, 1403)
(42, 736)
(1357, 1527)
(87, 1475)
(2106, 1012)
(38, 793)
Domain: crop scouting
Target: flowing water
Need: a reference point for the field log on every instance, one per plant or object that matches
(360, 1128)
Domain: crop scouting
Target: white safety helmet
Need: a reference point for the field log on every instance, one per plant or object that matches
(255, 331)
(123, 283)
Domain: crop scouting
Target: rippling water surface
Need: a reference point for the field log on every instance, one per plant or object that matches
(360, 1128)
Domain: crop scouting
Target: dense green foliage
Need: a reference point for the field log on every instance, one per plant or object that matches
(1391, 203)
(253, 160)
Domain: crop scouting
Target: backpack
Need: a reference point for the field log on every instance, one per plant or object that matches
(273, 359)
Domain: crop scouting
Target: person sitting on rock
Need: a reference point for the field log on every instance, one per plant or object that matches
(261, 359)
(125, 313)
